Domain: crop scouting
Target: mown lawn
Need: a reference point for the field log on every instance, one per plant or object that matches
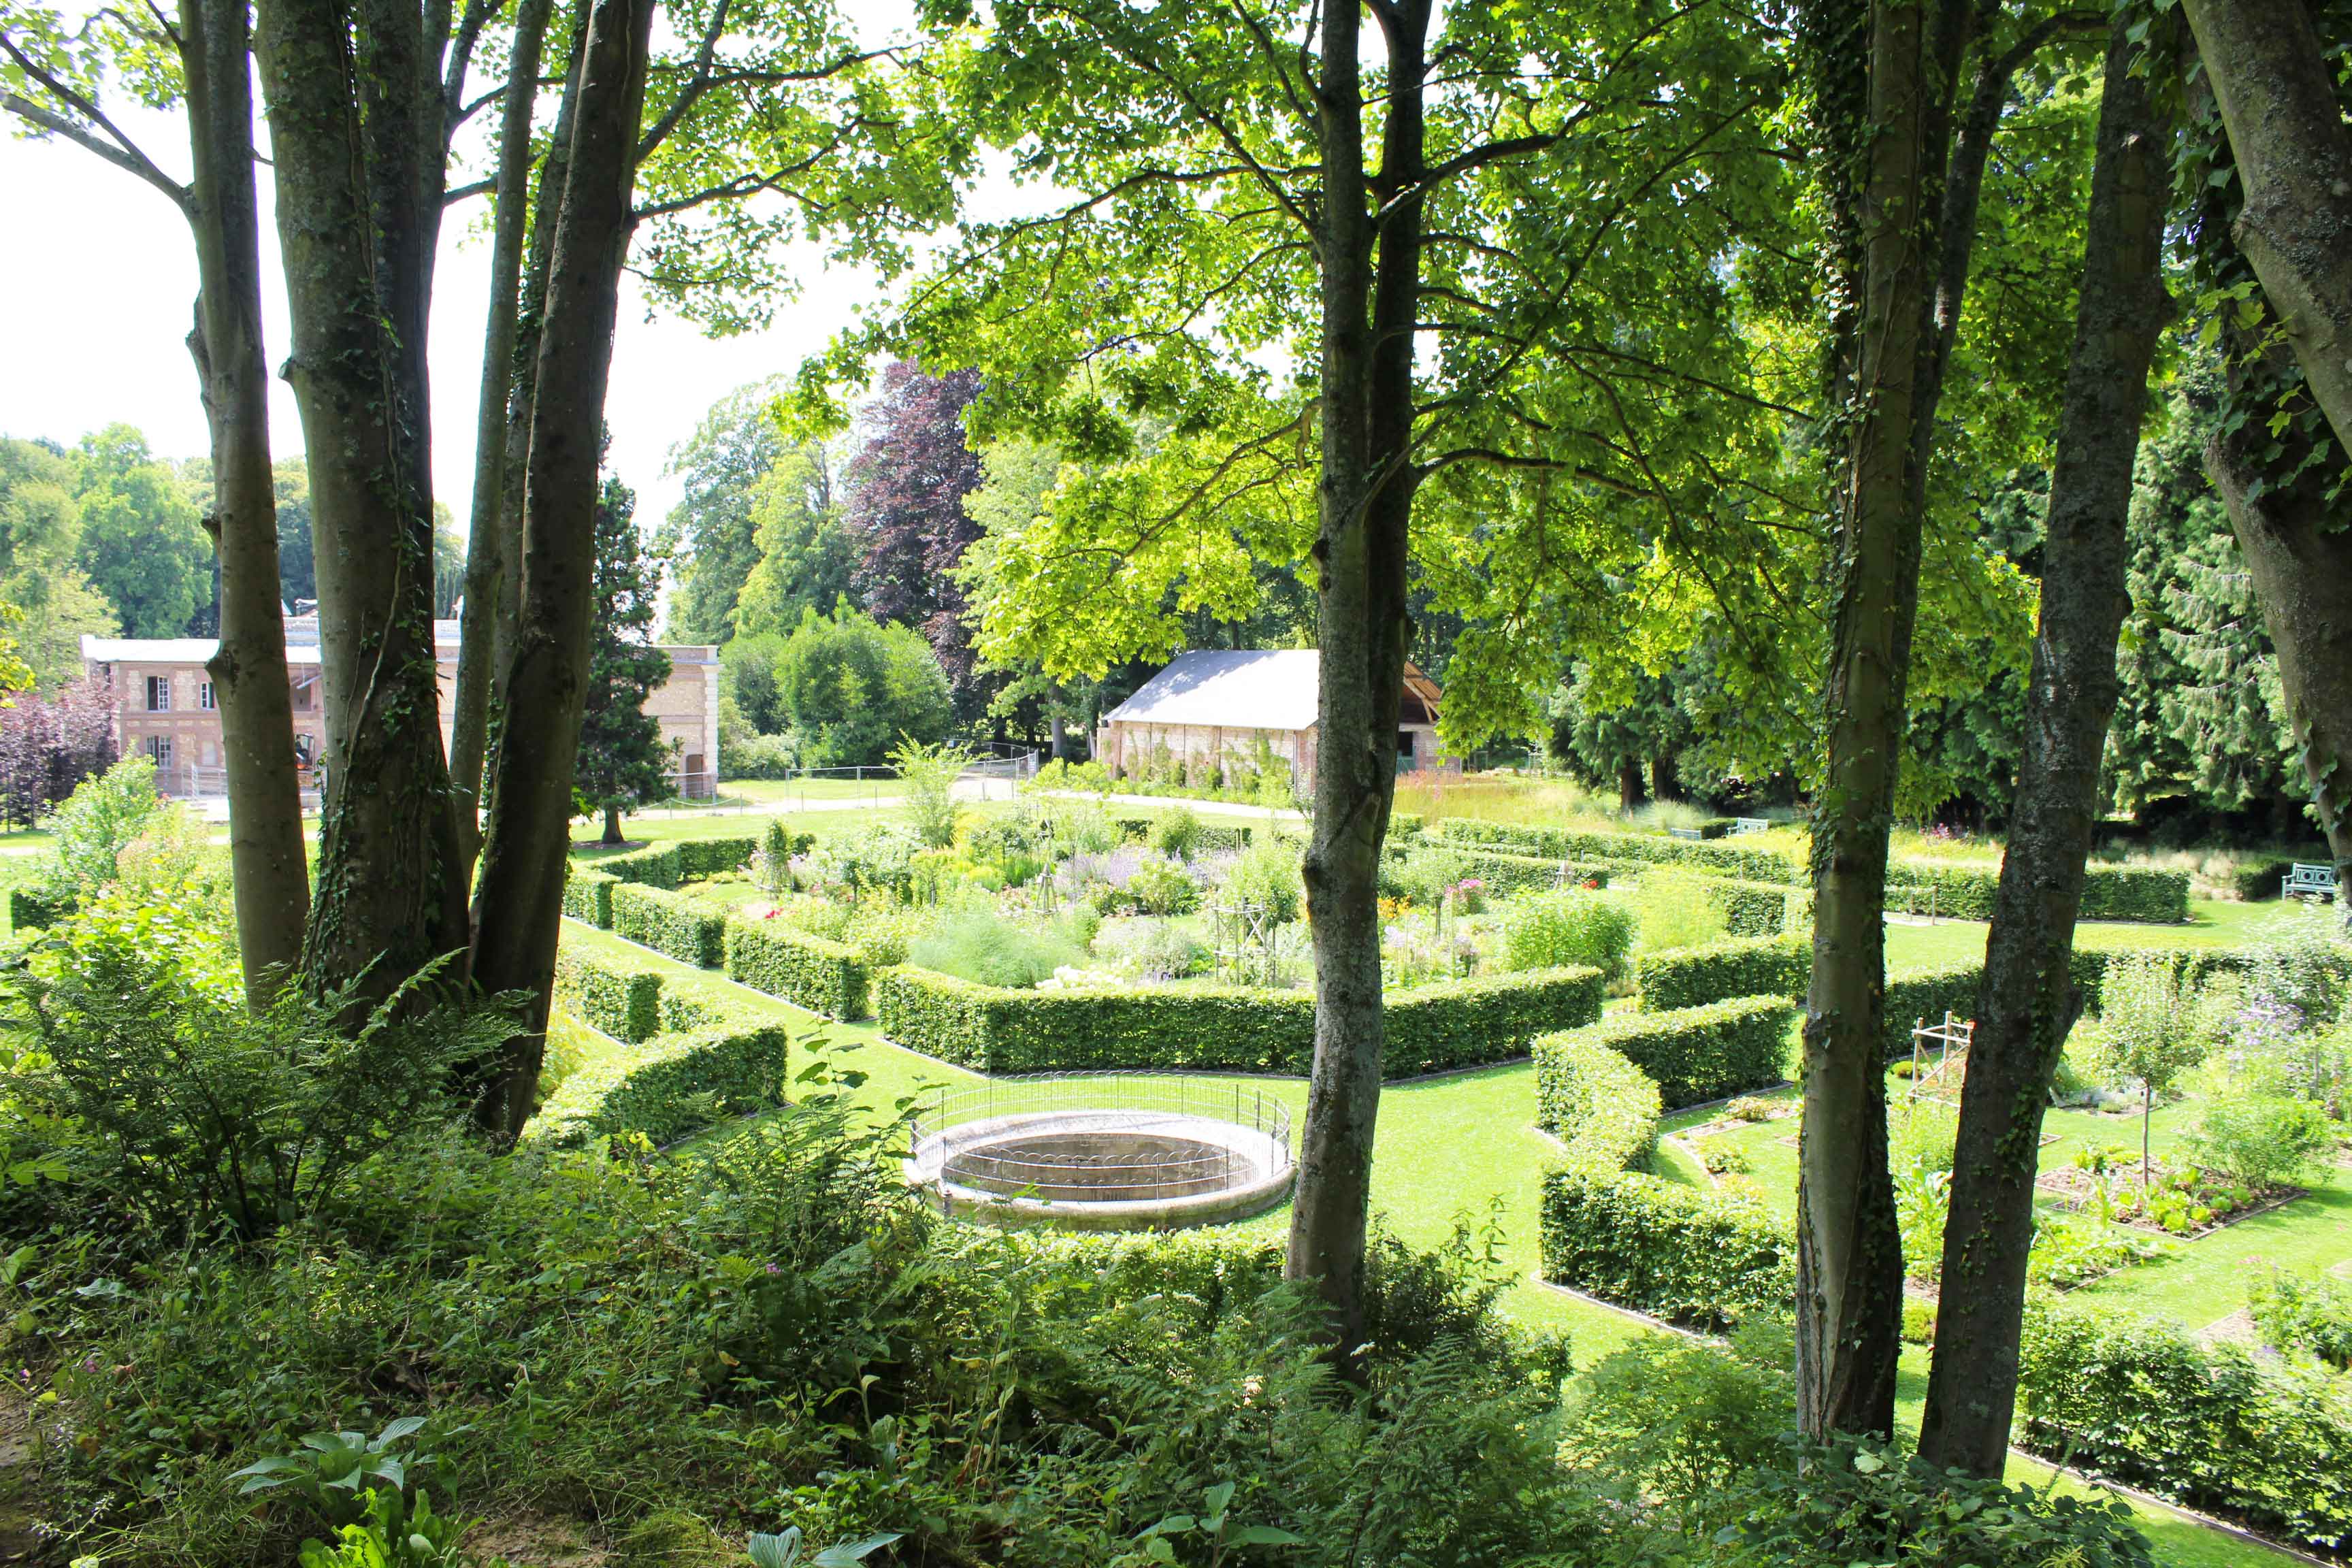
(1464, 1147)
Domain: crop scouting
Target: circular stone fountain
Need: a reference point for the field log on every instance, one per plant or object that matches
(1120, 1154)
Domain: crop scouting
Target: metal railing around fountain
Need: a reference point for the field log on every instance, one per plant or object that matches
(1129, 1103)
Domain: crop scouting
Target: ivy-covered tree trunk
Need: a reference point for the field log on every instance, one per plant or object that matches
(2272, 80)
(248, 670)
(1848, 1249)
(518, 908)
(2299, 553)
(487, 563)
(1370, 290)
(2027, 1002)
(351, 200)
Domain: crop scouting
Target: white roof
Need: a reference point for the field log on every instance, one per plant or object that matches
(1249, 689)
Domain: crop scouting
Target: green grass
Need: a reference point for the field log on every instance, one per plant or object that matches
(2212, 922)
(1465, 1146)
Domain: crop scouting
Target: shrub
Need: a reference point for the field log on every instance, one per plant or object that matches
(1859, 1501)
(1668, 1419)
(2140, 1399)
(977, 944)
(1177, 834)
(710, 856)
(1698, 1054)
(808, 971)
(620, 996)
(1267, 876)
(1758, 909)
(1229, 1028)
(1502, 874)
(1545, 931)
(929, 773)
(2262, 1140)
(36, 909)
(246, 1119)
(1707, 1258)
(1749, 966)
(2312, 1314)
(1162, 888)
(2135, 893)
(588, 896)
(667, 1088)
(657, 868)
(1678, 910)
(661, 920)
(1569, 843)
(1595, 1100)
(98, 822)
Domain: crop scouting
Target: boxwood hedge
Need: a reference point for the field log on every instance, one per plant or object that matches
(1226, 1028)
(1503, 873)
(709, 857)
(588, 896)
(667, 923)
(1697, 1054)
(827, 977)
(1719, 971)
(1691, 1256)
(1567, 844)
(653, 1089)
(661, 867)
(1602, 1107)
(2140, 1398)
(615, 993)
(1759, 909)
(1966, 890)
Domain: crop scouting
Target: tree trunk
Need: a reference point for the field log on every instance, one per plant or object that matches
(486, 566)
(613, 826)
(2299, 554)
(349, 194)
(1371, 288)
(389, 896)
(1848, 1249)
(1629, 785)
(248, 670)
(2027, 1002)
(2272, 78)
(519, 907)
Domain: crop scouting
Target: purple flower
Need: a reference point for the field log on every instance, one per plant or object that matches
(773, 1269)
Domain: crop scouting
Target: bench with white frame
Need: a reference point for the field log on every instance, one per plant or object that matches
(2302, 880)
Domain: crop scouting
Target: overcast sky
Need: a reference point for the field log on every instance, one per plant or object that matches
(100, 282)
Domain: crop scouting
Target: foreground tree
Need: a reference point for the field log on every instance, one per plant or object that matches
(2028, 1002)
(211, 48)
(622, 762)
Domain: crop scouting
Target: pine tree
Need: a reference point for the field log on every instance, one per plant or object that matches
(623, 760)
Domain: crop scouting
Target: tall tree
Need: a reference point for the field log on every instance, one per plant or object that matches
(529, 838)
(906, 509)
(711, 535)
(487, 564)
(805, 553)
(141, 546)
(623, 760)
(2028, 1001)
(355, 99)
(211, 48)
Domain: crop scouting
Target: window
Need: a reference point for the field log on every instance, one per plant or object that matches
(159, 694)
(205, 695)
(159, 751)
(302, 693)
(306, 748)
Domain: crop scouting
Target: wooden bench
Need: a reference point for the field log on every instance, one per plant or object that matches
(2308, 881)
(1692, 833)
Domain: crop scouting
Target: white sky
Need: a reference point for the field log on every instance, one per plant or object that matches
(99, 286)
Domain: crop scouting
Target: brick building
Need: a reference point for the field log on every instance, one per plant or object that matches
(163, 705)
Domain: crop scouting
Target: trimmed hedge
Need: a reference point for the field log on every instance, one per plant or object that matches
(1595, 1100)
(650, 1089)
(1697, 1054)
(1718, 971)
(657, 868)
(709, 857)
(31, 909)
(1213, 834)
(1230, 1028)
(1709, 1259)
(2140, 1399)
(1506, 874)
(588, 896)
(827, 977)
(1966, 890)
(621, 997)
(662, 920)
(1759, 909)
(1565, 844)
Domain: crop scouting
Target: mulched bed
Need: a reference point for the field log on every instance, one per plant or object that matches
(2075, 1191)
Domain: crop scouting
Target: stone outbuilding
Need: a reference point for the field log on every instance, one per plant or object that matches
(1216, 717)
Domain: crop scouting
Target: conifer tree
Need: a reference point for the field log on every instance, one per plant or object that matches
(623, 760)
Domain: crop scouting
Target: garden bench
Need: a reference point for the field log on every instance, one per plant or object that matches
(1750, 824)
(2306, 880)
(1693, 834)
